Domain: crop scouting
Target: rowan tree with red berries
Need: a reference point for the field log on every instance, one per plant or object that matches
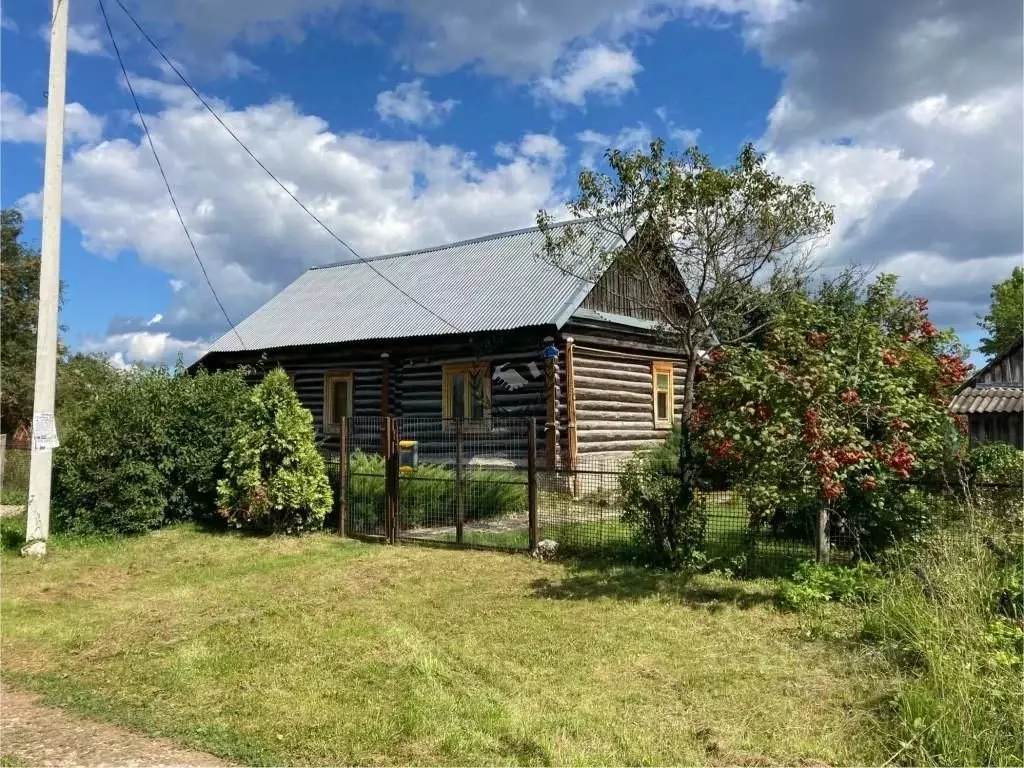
(843, 403)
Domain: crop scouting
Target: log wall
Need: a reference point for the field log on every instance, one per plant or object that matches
(614, 395)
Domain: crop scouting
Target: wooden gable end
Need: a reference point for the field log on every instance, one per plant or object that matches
(622, 291)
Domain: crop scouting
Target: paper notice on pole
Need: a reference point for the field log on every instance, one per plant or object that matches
(44, 432)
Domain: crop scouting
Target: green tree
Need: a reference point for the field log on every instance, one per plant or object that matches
(1004, 322)
(845, 402)
(275, 476)
(19, 303)
(19, 311)
(738, 236)
(82, 380)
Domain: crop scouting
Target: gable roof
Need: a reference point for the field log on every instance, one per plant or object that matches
(998, 387)
(492, 283)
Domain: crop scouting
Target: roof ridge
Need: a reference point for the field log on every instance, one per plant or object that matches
(446, 246)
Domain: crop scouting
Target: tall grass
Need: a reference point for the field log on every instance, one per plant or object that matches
(948, 634)
(427, 493)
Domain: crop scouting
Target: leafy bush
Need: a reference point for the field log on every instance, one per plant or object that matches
(948, 631)
(427, 493)
(812, 584)
(147, 449)
(996, 463)
(650, 485)
(275, 479)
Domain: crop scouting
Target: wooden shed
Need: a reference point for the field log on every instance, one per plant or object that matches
(993, 399)
(476, 331)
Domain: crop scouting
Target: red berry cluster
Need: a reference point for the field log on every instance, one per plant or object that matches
(899, 458)
(723, 450)
(832, 488)
(928, 330)
(717, 355)
(890, 358)
(700, 416)
(961, 423)
(818, 339)
(850, 397)
(812, 426)
(868, 483)
(952, 369)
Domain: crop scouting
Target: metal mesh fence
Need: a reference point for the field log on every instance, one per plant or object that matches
(14, 471)
(470, 484)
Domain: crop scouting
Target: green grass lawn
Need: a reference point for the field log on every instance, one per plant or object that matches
(319, 650)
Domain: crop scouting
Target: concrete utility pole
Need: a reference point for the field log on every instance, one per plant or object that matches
(44, 434)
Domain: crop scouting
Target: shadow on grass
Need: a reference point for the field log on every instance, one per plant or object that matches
(634, 583)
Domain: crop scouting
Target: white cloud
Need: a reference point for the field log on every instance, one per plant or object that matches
(381, 196)
(19, 125)
(594, 144)
(82, 38)
(6, 22)
(596, 71)
(864, 184)
(411, 103)
(125, 349)
(908, 115)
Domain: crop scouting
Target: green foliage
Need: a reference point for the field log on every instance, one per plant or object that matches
(947, 628)
(996, 463)
(845, 400)
(427, 493)
(81, 382)
(19, 310)
(1004, 322)
(146, 450)
(813, 584)
(275, 480)
(671, 532)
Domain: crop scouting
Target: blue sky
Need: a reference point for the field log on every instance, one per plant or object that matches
(407, 124)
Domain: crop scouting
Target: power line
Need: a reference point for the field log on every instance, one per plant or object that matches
(270, 173)
(163, 175)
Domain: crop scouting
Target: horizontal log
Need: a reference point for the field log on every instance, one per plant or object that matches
(611, 435)
(610, 364)
(596, 383)
(624, 421)
(618, 396)
(641, 376)
(591, 406)
(616, 446)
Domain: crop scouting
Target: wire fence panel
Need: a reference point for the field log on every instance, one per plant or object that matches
(468, 484)
(14, 472)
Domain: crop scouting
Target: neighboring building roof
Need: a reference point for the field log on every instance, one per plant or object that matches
(493, 283)
(984, 399)
(998, 387)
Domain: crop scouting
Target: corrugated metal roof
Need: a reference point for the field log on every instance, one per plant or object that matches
(984, 399)
(492, 283)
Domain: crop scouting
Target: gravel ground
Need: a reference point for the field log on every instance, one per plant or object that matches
(34, 734)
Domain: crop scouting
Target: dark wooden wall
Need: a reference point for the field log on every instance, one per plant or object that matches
(414, 377)
(1009, 371)
(997, 427)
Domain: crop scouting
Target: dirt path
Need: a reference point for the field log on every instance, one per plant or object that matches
(34, 734)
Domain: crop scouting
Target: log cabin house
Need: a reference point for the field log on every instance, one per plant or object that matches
(494, 332)
(992, 400)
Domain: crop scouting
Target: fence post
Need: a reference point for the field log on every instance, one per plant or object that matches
(821, 542)
(531, 479)
(343, 467)
(460, 508)
(391, 479)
